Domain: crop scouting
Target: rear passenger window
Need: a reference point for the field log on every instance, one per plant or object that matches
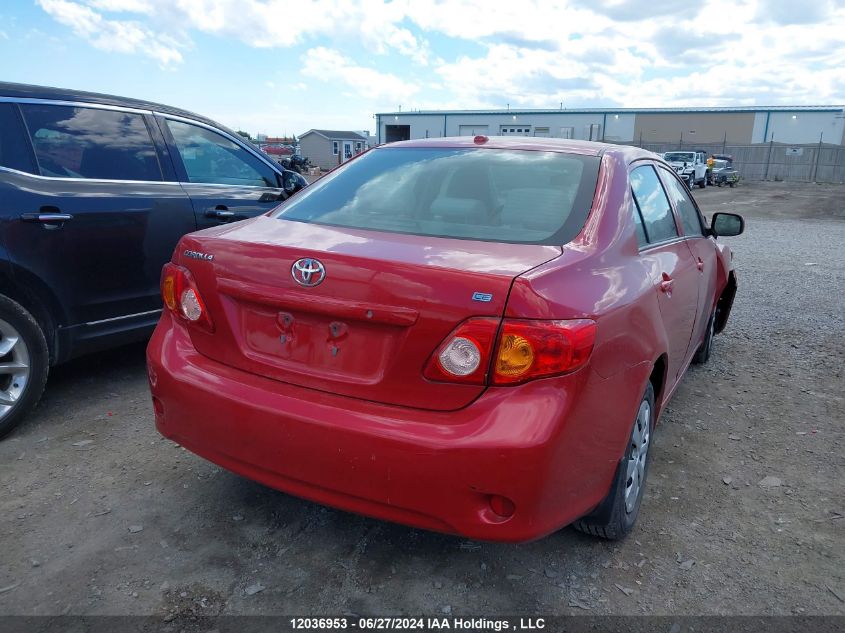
(642, 240)
(15, 152)
(212, 158)
(684, 204)
(93, 143)
(653, 204)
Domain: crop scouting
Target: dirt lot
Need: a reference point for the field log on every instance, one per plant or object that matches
(743, 515)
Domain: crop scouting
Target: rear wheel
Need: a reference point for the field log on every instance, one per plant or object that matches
(703, 182)
(617, 513)
(24, 363)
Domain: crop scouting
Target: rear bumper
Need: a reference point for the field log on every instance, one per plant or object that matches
(550, 446)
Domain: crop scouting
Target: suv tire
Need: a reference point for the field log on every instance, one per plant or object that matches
(24, 363)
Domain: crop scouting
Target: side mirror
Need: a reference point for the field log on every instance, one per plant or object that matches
(290, 182)
(727, 224)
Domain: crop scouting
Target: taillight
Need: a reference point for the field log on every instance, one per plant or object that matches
(534, 349)
(524, 350)
(181, 296)
(465, 354)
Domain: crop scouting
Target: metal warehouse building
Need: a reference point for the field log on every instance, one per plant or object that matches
(741, 125)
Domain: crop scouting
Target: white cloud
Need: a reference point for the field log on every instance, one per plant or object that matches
(329, 65)
(114, 35)
(534, 53)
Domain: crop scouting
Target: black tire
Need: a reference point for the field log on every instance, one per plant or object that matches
(732, 185)
(702, 354)
(297, 169)
(702, 183)
(31, 339)
(612, 519)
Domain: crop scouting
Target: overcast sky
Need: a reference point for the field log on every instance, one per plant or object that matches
(279, 66)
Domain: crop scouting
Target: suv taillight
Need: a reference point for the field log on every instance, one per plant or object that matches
(182, 298)
(511, 351)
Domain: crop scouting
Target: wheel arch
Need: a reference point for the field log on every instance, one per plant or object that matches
(658, 379)
(724, 303)
(35, 296)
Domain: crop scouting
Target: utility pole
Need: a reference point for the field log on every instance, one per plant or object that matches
(818, 156)
(769, 159)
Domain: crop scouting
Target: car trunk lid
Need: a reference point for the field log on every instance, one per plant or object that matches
(369, 327)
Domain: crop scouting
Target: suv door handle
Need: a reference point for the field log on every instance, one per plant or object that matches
(46, 218)
(666, 284)
(700, 263)
(221, 212)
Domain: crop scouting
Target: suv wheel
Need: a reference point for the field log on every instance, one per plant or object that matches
(616, 514)
(24, 362)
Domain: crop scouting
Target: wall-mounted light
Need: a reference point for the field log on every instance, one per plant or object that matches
(514, 117)
(396, 118)
(615, 116)
(794, 116)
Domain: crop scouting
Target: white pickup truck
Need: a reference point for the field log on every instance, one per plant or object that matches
(691, 166)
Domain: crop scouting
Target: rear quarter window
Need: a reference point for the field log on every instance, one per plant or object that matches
(478, 194)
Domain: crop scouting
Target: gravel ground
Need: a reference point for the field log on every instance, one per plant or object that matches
(743, 514)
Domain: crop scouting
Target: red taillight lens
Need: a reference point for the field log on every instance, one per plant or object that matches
(524, 350)
(181, 296)
(534, 349)
(465, 354)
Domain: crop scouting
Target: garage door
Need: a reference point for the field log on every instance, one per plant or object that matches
(472, 130)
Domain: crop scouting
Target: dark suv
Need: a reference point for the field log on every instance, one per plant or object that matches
(95, 191)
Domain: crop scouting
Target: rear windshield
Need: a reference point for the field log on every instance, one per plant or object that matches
(679, 157)
(477, 194)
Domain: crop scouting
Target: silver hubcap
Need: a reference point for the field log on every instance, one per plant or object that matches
(14, 367)
(640, 439)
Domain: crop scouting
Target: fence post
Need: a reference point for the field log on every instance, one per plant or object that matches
(818, 157)
(725, 143)
(769, 158)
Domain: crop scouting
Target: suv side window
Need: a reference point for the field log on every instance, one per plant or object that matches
(72, 142)
(212, 158)
(679, 195)
(653, 204)
(15, 152)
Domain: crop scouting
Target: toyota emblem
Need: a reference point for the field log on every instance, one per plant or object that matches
(308, 272)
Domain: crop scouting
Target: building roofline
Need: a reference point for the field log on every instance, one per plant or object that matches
(796, 108)
(343, 135)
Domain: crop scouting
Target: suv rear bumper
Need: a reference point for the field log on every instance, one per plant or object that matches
(550, 446)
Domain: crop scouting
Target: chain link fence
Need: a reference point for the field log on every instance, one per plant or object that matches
(817, 162)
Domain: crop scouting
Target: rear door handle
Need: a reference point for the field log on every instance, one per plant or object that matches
(221, 212)
(666, 284)
(700, 263)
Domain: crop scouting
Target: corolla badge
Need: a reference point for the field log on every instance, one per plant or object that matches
(308, 272)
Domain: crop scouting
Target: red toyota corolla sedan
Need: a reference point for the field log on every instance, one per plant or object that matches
(474, 336)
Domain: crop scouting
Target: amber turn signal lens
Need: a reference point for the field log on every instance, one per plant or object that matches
(168, 291)
(516, 355)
